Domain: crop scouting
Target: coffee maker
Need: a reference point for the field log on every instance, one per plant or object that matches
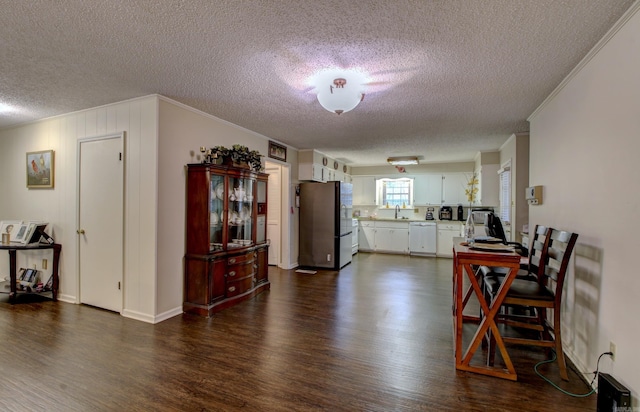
(460, 213)
(429, 215)
(446, 213)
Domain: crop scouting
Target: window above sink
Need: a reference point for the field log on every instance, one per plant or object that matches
(394, 192)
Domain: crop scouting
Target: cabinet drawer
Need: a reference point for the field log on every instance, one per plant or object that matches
(237, 259)
(366, 223)
(449, 226)
(392, 225)
(238, 287)
(240, 270)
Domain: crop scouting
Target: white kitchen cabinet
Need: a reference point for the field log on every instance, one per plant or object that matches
(392, 237)
(329, 174)
(488, 185)
(342, 177)
(427, 189)
(366, 236)
(453, 187)
(446, 233)
(311, 171)
(383, 236)
(364, 190)
(317, 167)
(354, 236)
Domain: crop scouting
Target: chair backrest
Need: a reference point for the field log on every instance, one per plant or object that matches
(537, 250)
(558, 251)
(493, 227)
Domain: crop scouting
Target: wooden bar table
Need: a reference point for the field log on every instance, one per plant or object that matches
(465, 258)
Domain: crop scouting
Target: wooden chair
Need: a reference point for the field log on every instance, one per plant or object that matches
(493, 227)
(542, 295)
(531, 269)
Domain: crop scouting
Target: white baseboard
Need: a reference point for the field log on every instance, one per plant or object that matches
(168, 314)
(291, 266)
(145, 317)
(68, 299)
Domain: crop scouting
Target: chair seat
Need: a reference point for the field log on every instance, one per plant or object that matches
(520, 289)
(523, 273)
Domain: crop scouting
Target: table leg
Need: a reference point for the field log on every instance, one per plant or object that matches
(12, 276)
(457, 310)
(56, 280)
(488, 321)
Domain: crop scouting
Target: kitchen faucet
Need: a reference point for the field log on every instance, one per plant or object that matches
(397, 210)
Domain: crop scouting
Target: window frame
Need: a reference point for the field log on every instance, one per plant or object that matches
(505, 189)
(407, 199)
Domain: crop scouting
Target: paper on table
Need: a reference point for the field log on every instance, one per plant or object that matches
(491, 247)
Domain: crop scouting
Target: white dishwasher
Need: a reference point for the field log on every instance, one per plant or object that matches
(422, 238)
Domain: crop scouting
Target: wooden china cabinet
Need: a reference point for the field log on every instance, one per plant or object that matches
(226, 229)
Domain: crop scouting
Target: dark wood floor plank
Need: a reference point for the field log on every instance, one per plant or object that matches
(375, 336)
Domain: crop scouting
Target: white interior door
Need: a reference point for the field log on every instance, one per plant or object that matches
(100, 221)
(274, 207)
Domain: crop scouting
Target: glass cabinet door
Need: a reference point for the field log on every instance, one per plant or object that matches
(261, 222)
(216, 212)
(240, 212)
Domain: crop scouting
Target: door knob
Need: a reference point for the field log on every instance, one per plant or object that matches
(80, 231)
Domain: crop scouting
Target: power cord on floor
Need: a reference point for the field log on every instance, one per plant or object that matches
(575, 395)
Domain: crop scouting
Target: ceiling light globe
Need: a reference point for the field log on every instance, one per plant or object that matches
(339, 91)
(339, 100)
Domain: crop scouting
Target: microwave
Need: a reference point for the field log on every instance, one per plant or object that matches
(480, 215)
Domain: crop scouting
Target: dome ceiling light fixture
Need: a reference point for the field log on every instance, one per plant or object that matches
(339, 91)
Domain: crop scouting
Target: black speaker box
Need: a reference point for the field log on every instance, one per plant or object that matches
(612, 395)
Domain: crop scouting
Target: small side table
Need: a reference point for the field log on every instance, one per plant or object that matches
(13, 250)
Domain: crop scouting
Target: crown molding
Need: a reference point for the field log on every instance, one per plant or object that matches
(592, 53)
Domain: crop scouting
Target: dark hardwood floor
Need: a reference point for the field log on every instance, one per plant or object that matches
(374, 337)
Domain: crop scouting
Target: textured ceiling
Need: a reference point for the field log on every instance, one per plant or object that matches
(446, 78)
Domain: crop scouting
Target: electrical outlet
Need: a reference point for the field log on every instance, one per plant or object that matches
(329, 257)
(612, 349)
(44, 263)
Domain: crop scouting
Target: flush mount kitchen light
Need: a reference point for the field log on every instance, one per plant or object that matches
(339, 91)
(403, 160)
(5, 108)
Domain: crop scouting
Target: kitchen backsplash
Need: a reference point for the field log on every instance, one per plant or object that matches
(416, 213)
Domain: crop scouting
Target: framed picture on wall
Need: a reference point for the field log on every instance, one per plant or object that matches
(40, 169)
(277, 151)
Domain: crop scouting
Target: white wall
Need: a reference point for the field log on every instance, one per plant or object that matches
(58, 206)
(161, 137)
(585, 143)
(182, 130)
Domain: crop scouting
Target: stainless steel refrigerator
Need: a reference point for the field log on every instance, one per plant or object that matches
(325, 224)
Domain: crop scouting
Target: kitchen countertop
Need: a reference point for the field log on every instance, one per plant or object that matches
(386, 219)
